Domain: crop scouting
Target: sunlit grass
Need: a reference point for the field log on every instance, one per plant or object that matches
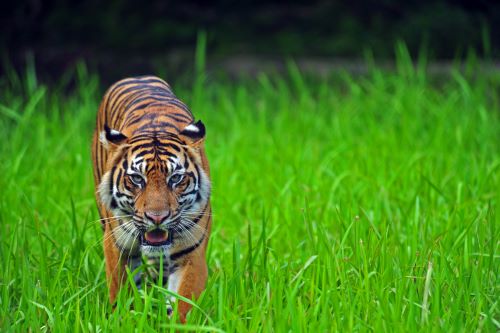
(343, 204)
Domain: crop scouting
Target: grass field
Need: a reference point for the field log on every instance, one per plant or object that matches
(343, 204)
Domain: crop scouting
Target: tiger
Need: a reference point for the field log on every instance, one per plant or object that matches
(152, 183)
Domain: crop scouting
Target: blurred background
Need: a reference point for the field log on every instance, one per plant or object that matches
(118, 38)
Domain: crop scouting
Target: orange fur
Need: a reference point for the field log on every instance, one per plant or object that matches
(143, 112)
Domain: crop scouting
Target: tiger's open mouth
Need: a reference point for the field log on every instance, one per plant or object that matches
(156, 237)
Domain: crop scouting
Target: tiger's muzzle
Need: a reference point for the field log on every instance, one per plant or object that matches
(156, 237)
(157, 229)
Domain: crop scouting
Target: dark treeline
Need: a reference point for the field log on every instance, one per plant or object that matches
(57, 32)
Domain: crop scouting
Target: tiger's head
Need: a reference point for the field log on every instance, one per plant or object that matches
(155, 185)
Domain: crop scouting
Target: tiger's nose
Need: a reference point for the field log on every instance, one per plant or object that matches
(157, 217)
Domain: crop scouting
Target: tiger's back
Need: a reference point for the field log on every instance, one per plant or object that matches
(146, 139)
(132, 103)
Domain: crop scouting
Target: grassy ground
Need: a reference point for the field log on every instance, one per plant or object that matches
(349, 204)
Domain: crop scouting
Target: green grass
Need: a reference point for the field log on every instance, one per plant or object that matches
(344, 204)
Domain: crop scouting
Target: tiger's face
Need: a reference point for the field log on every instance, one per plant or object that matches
(155, 187)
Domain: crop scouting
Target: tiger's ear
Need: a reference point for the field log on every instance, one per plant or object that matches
(194, 134)
(111, 138)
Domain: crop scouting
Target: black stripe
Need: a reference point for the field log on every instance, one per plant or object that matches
(147, 145)
(118, 177)
(188, 250)
(153, 151)
(137, 87)
(133, 90)
(148, 135)
(154, 145)
(163, 152)
(145, 152)
(190, 192)
(180, 120)
(113, 202)
(181, 105)
(139, 107)
(144, 117)
(174, 147)
(111, 177)
(164, 113)
(152, 96)
(182, 116)
(198, 176)
(121, 195)
(128, 81)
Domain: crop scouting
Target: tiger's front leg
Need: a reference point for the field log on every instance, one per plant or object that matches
(188, 281)
(118, 260)
(115, 265)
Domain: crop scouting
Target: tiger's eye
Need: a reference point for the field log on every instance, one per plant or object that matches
(136, 179)
(175, 178)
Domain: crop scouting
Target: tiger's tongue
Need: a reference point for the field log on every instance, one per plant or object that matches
(156, 236)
